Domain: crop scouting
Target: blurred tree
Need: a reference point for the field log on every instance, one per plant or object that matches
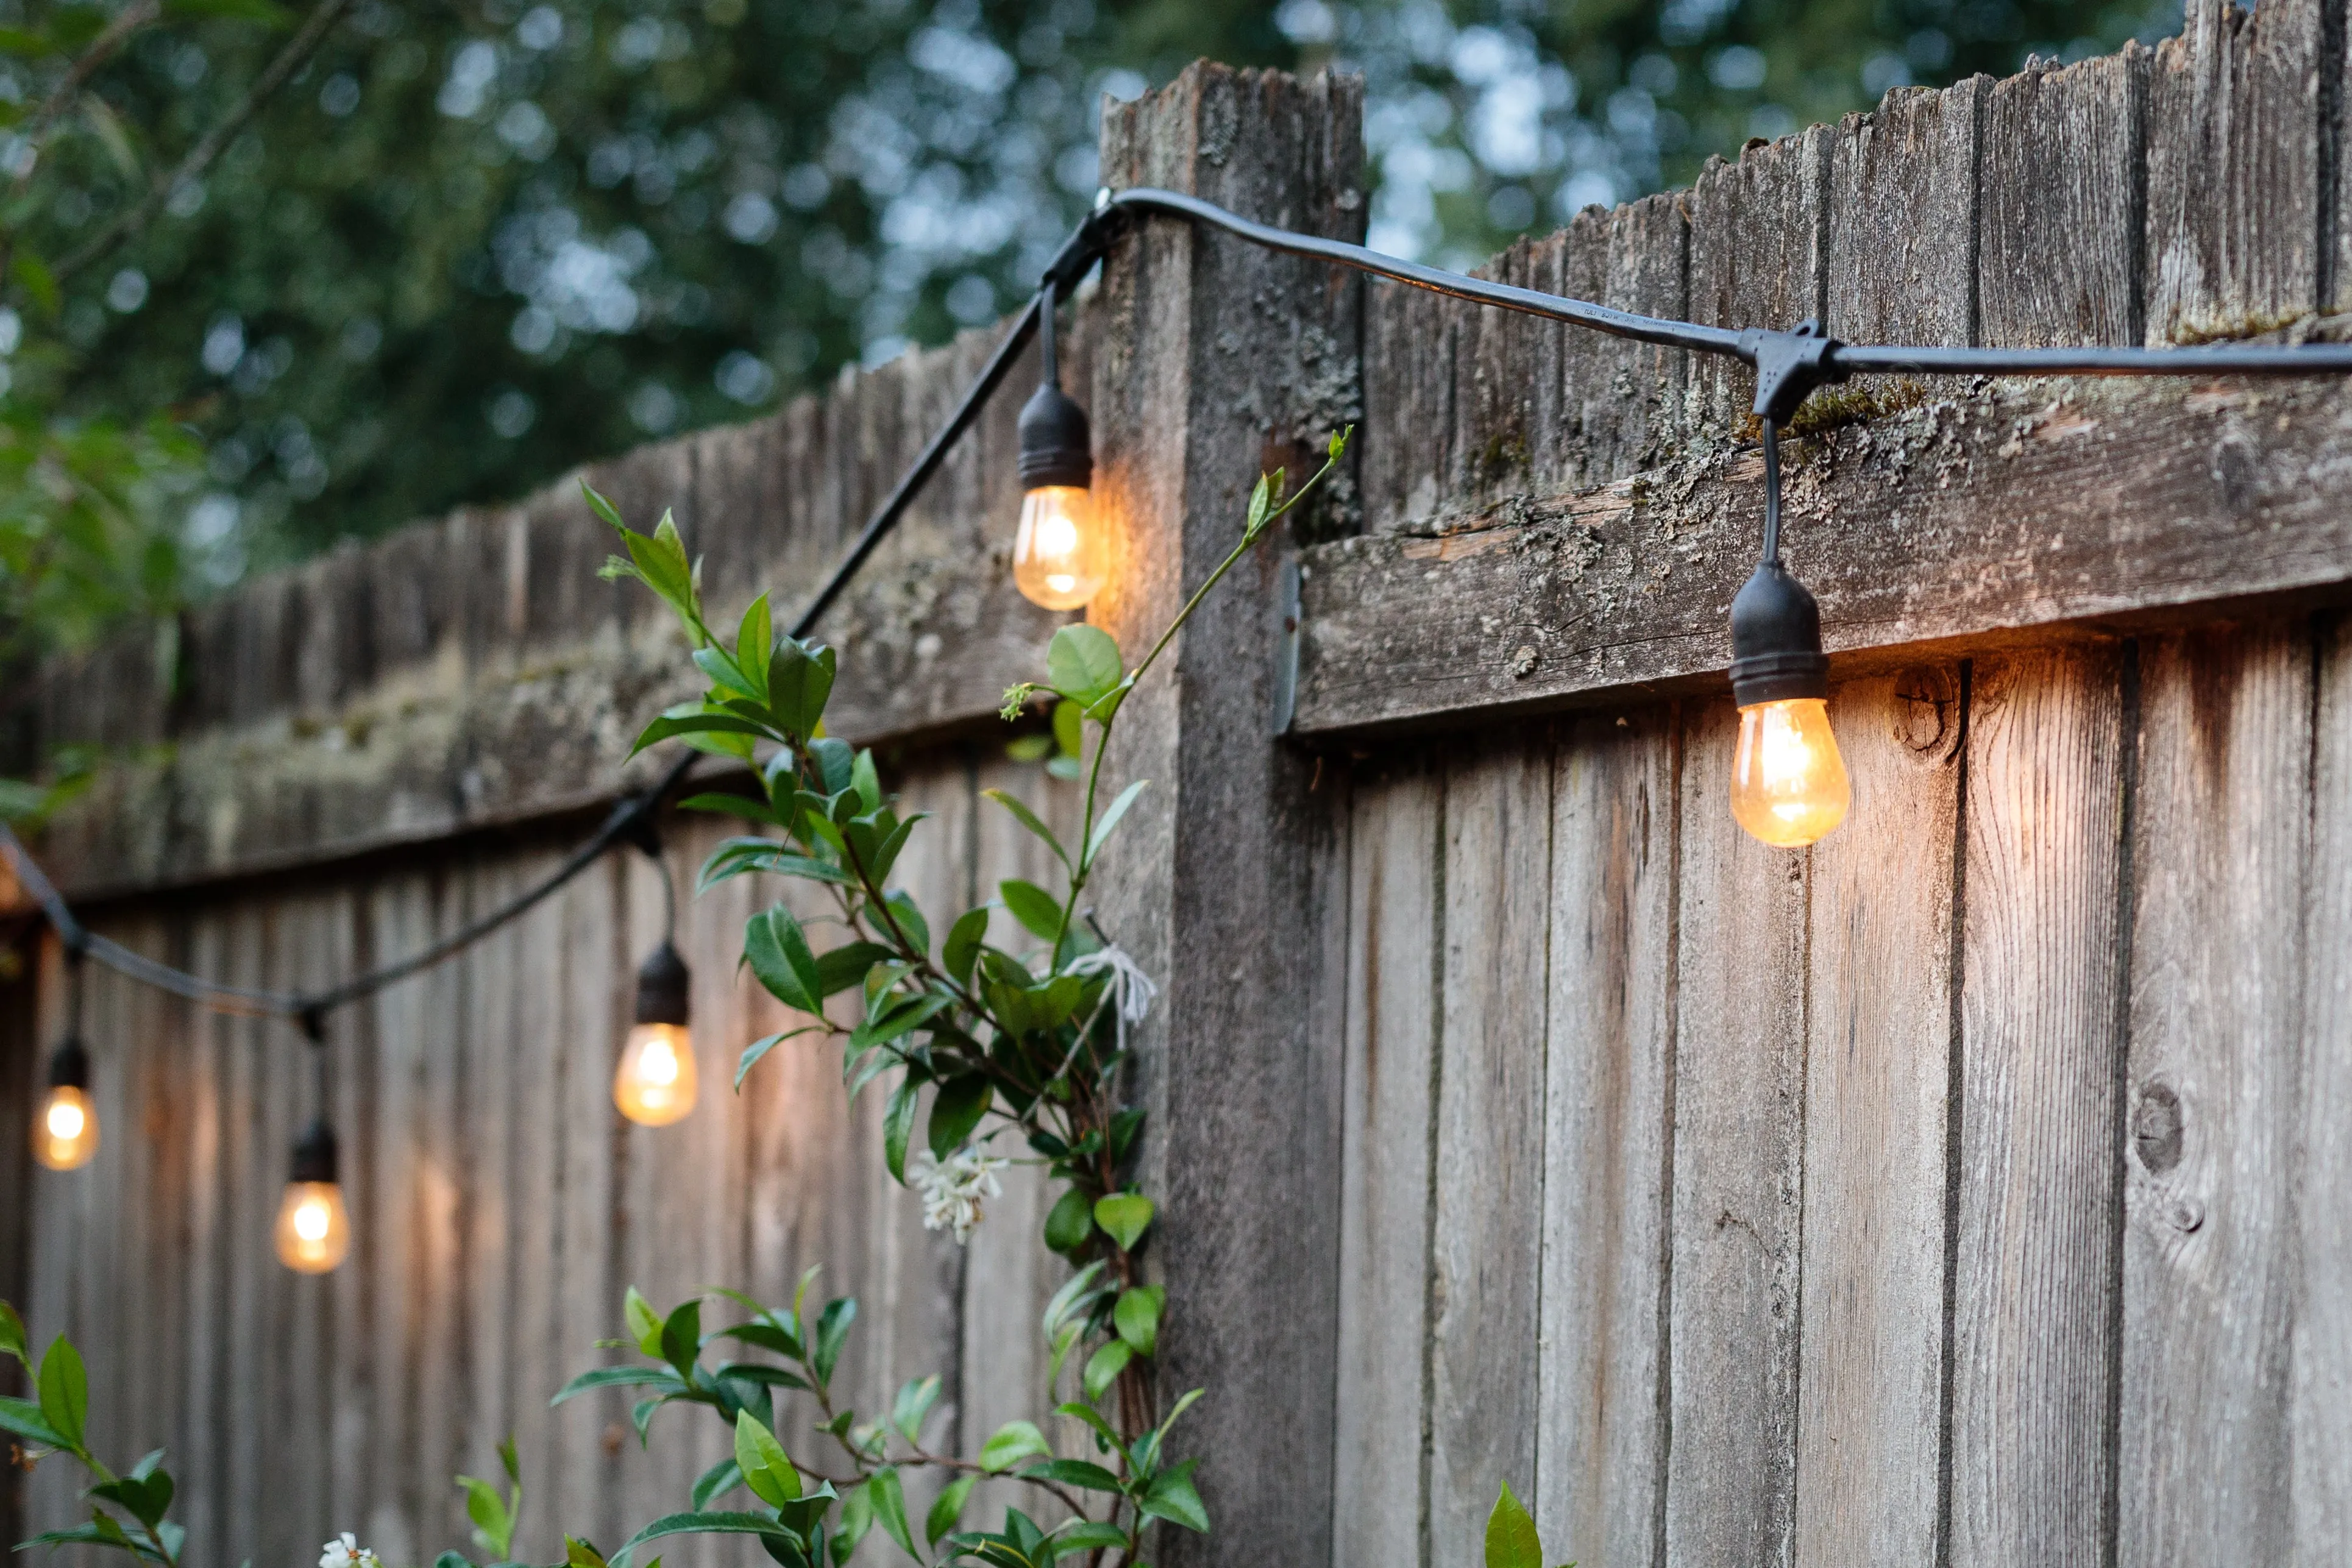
(469, 244)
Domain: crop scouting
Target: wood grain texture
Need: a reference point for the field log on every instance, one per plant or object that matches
(2010, 512)
(2059, 195)
(1878, 1069)
(1486, 1280)
(2034, 1257)
(2320, 1427)
(1220, 852)
(1758, 258)
(1738, 1175)
(1902, 190)
(1608, 1096)
(2233, 133)
(2220, 846)
(1380, 1494)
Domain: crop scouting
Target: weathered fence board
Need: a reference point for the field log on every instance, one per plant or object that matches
(1609, 1062)
(2220, 844)
(1953, 1192)
(2035, 1249)
(1395, 951)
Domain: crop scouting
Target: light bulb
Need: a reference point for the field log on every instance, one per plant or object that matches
(65, 1135)
(1057, 552)
(314, 1230)
(655, 1085)
(1789, 785)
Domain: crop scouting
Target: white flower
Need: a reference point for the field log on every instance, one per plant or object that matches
(952, 1190)
(1131, 989)
(345, 1552)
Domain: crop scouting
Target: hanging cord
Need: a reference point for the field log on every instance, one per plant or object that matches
(312, 1022)
(1790, 364)
(74, 982)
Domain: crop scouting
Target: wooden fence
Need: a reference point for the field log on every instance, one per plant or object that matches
(1957, 1192)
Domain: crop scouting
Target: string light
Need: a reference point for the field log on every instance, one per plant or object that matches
(1789, 784)
(314, 1230)
(65, 1129)
(655, 1082)
(1060, 558)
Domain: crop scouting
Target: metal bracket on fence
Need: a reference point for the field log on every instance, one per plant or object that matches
(1285, 646)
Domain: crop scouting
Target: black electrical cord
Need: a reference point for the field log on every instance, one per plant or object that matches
(1790, 365)
(630, 820)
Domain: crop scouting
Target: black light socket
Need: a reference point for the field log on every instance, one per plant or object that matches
(1776, 641)
(314, 1154)
(662, 986)
(69, 1064)
(1056, 444)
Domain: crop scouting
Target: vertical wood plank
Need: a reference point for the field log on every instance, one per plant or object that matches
(1739, 1107)
(1380, 1484)
(2220, 845)
(1877, 1070)
(1488, 1194)
(1755, 260)
(2059, 194)
(2321, 1426)
(2233, 131)
(1607, 1105)
(1902, 195)
(2034, 1259)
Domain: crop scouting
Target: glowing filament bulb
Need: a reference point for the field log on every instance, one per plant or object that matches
(314, 1230)
(66, 1135)
(655, 1085)
(1059, 559)
(1789, 784)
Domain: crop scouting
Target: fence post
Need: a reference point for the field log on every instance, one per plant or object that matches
(1219, 359)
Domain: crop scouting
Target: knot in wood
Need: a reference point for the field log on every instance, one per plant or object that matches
(2156, 1128)
(1524, 660)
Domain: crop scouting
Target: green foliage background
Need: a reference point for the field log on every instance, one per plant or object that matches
(472, 244)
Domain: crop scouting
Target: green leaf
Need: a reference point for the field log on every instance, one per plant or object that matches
(644, 1324)
(12, 1327)
(1072, 1536)
(765, 1467)
(719, 666)
(672, 724)
(1103, 828)
(831, 1332)
(1029, 749)
(1137, 1318)
(578, 1553)
(764, 1044)
(1069, 729)
(65, 1391)
(914, 1402)
(695, 1524)
(956, 1110)
(1074, 1473)
(21, 1418)
(839, 968)
(754, 646)
(800, 680)
(1511, 1538)
(681, 1337)
(910, 921)
(962, 950)
(1261, 501)
(866, 781)
(1104, 1367)
(38, 281)
(1126, 1215)
(898, 1125)
(719, 1480)
(1032, 905)
(1069, 1222)
(946, 1509)
(1172, 1497)
(890, 1508)
(857, 1519)
(1082, 663)
(1028, 819)
(493, 1525)
(1012, 1443)
(777, 951)
(508, 1461)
